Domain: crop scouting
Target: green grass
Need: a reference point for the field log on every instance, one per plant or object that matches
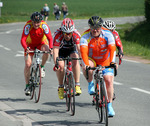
(135, 39)
(20, 10)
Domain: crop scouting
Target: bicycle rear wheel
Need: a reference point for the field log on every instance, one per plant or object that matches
(38, 83)
(72, 93)
(104, 104)
(32, 89)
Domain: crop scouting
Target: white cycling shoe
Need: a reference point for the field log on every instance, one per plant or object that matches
(42, 72)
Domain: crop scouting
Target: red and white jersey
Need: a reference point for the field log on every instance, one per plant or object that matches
(117, 40)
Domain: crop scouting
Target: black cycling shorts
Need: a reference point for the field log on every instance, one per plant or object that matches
(65, 52)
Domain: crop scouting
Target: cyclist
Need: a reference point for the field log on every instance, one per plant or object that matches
(66, 43)
(36, 34)
(111, 26)
(97, 47)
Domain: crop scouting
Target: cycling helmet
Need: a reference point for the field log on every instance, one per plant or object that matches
(109, 24)
(67, 25)
(36, 16)
(95, 22)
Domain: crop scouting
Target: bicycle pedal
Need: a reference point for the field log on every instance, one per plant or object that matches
(77, 94)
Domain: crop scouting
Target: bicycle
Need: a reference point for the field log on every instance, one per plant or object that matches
(100, 97)
(35, 79)
(69, 83)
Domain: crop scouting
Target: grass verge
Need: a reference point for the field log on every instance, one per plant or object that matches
(135, 39)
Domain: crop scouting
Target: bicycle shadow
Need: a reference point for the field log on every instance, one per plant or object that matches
(67, 123)
(13, 99)
(60, 104)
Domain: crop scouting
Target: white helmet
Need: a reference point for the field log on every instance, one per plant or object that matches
(109, 25)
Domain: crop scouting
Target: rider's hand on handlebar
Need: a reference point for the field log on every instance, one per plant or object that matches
(55, 68)
(114, 64)
(51, 51)
(27, 50)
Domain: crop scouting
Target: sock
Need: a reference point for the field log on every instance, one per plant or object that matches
(27, 85)
(61, 86)
(42, 66)
(77, 84)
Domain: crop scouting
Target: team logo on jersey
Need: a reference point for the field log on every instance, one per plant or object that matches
(45, 27)
(27, 29)
(57, 40)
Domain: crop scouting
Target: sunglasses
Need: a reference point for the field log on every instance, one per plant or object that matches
(95, 28)
(67, 33)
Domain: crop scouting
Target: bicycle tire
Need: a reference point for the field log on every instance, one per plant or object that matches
(98, 101)
(37, 85)
(32, 89)
(104, 104)
(72, 93)
(67, 96)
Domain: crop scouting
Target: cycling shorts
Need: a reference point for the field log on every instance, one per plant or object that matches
(65, 52)
(36, 46)
(108, 71)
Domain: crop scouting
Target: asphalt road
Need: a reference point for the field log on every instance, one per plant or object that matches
(132, 88)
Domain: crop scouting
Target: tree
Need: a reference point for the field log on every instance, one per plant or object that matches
(147, 10)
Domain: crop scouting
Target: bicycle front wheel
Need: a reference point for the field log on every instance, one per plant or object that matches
(32, 89)
(37, 83)
(72, 93)
(98, 101)
(104, 104)
(66, 92)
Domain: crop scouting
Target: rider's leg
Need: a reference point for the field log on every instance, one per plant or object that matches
(60, 73)
(28, 62)
(60, 76)
(45, 56)
(91, 88)
(76, 72)
(90, 72)
(76, 67)
(109, 85)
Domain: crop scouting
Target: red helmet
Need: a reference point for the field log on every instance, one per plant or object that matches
(67, 25)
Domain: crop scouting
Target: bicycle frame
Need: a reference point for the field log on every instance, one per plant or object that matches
(100, 97)
(69, 83)
(35, 75)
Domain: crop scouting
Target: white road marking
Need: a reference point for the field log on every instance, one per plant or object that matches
(117, 83)
(5, 48)
(140, 90)
(21, 53)
(131, 61)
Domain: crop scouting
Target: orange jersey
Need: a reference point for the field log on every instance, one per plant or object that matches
(35, 37)
(101, 49)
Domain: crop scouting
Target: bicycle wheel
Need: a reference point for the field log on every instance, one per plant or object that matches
(67, 96)
(104, 104)
(37, 83)
(98, 101)
(32, 89)
(72, 93)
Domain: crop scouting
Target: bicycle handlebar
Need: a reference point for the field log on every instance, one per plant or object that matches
(67, 59)
(36, 52)
(99, 68)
